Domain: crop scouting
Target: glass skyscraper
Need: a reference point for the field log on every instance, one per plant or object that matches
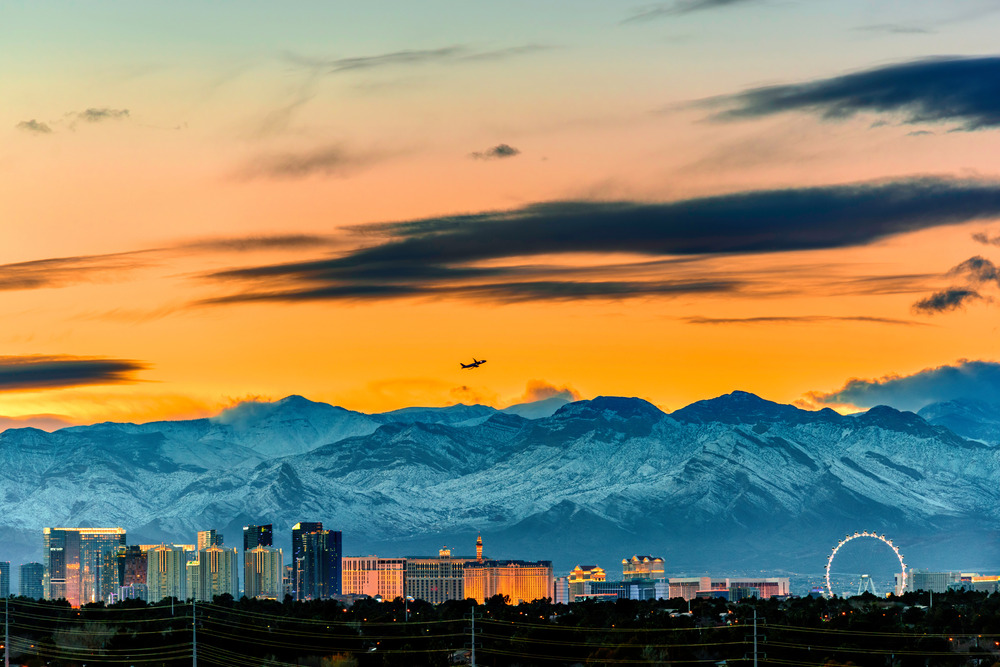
(30, 585)
(80, 563)
(257, 536)
(316, 561)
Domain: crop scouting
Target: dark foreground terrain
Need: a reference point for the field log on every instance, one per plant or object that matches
(958, 628)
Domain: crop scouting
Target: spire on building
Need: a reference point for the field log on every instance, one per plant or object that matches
(479, 548)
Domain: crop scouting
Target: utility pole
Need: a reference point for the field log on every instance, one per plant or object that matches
(6, 632)
(473, 656)
(755, 635)
(194, 632)
(472, 636)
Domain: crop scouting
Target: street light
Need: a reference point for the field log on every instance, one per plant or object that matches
(406, 605)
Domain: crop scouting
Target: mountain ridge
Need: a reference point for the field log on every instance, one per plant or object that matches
(734, 480)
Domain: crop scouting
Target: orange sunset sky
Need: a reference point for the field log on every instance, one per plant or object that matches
(201, 205)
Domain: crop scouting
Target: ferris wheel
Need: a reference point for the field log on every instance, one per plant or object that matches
(875, 536)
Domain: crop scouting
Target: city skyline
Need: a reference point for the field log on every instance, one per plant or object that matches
(671, 201)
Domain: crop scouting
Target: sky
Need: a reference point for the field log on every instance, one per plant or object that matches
(207, 203)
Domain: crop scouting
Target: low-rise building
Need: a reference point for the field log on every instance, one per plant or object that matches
(518, 580)
(642, 567)
(374, 576)
(580, 578)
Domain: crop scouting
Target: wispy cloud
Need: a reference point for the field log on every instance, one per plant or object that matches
(256, 242)
(802, 319)
(41, 422)
(965, 379)
(326, 161)
(482, 256)
(73, 119)
(948, 89)
(315, 69)
(99, 115)
(497, 152)
(34, 126)
(539, 390)
(895, 29)
(456, 53)
(50, 372)
(63, 271)
(679, 8)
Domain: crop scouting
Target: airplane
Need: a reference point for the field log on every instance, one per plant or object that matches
(474, 364)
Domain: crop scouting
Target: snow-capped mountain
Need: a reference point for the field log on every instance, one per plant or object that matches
(734, 482)
(969, 418)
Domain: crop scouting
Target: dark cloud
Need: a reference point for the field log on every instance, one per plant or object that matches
(97, 115)
(748, 222)
(801, 319)
(976, 271)
(959, 90)
(498, 152)
(679, 8)
(946, 300)
(328, 161)
(445, 256)
(34, 126)
(986, 239)
(53, 372)
(510, 292)
(965, 379)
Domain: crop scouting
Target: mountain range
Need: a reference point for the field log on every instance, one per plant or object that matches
(735, 482)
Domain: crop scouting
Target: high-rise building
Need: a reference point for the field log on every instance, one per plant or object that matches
(209, 538)
(316, 561)
(257, 536)
(642, 567)
(166, 572)
(264, 573)
(436, 580)
(30, 585)
(371, 575)
(4, 579)
(79, 563)
(134, 566)
(216, 572)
